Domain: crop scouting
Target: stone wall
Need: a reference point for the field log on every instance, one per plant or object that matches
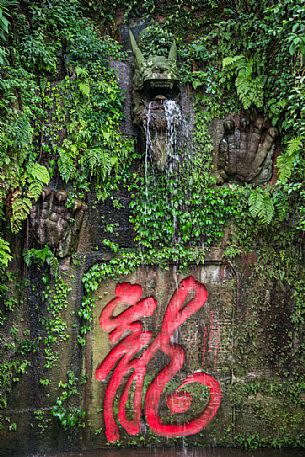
(240, 337)
(237, 351)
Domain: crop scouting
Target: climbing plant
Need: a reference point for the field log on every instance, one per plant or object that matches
(60, 113)
(60, 116)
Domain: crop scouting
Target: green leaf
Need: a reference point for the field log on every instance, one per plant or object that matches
(292, 49)
(261, 206)
(39, 172)
(81, 71)
(20, 210)
(85, 89)
(5, 253)
(287, 161)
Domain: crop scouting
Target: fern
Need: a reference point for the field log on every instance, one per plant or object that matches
(66, 162)
(20, 210)
(233, 63)
(261, 206)
(5, 253)
(250, 90)
(35, 190)
(99, 161)
(37, 176)
(281, 203)
(288, 160)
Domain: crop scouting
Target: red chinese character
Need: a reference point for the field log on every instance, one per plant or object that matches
(128, 367)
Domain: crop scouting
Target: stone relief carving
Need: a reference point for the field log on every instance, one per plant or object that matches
(156, 108)
(56, 225)
(156, 71)
(246, 151)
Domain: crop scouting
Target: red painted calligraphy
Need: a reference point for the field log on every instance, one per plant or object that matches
(135, 348)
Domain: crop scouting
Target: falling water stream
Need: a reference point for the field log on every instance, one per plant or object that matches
(148, 146)
(154, 136)
(169, 138)
(173, 123)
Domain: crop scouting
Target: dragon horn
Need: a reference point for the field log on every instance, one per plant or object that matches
(173, 52)
(136, 50)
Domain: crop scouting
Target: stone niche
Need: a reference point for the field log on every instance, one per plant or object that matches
(244, 149)
(197, 350)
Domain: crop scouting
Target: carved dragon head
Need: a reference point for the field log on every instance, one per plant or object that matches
(156, 71)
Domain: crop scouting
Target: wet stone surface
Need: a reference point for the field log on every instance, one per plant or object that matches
(186, 452)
